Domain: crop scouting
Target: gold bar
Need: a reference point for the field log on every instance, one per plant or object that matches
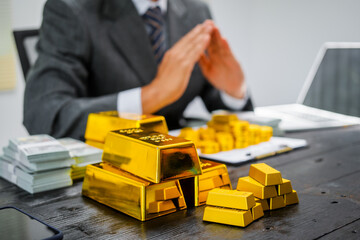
(167, 193)
(128, 193)
(225, 140)
(249, 184)
(207, 134)
(99, 124)
(203, 196)
(285, 187)
(95, 144)
(210, 183)
(224, 118)
(291, 198)
(213, 172)
(264, 203)
(161, 206)
(228, 216)
(231, 199)
(151, 155)
(257, 211)
(265, 174)
(190, 134)
(277, 202)
(209, 147)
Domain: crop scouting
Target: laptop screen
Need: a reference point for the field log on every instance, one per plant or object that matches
(336, 85)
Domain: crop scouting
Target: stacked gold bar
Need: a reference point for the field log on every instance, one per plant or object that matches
(140, 173)
(225, 132)
(215, 175)
(269, 188)
(99, 124)
(130, 194)
(232, 207)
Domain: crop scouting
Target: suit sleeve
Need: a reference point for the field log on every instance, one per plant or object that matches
(57, 99)
(211, 96)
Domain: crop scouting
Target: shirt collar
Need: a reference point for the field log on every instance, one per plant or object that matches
(143, 5)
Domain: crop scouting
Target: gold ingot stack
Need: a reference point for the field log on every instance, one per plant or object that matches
(268, 187)
(99, 124)
(196, 189)
(140, 173)
(232, 207)
(226, 132)
(190, 134)
(130, 194)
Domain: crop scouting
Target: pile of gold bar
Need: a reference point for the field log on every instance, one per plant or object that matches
(99, 124)
(226, 132)
(214, 175)
(264, 189)
(232, 207)
(268, 187)
(147, 174)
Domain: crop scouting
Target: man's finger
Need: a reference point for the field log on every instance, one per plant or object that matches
(204, 62)
(200, 29)
(198, 48)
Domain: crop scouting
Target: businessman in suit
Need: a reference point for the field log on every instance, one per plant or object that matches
(128, 55)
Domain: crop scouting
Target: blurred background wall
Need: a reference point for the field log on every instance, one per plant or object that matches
(276, 42)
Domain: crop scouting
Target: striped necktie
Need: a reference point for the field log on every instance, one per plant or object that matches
(155, 22)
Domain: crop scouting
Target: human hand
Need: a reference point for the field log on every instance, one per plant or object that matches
(175, 69)
(221, 68)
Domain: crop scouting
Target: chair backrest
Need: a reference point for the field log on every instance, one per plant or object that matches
(26, 45)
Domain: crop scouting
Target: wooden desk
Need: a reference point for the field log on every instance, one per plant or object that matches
(326, 176)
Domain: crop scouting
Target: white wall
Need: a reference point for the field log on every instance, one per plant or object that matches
(25, 15)
(276, 42)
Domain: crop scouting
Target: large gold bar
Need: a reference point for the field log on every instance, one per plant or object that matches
(95, 144)
(129, 194)
(151, 155)
(99, 124)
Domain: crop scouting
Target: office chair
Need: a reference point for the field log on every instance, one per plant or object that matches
(26, 45)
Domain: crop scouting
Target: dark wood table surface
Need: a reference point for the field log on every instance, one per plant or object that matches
(326, 176)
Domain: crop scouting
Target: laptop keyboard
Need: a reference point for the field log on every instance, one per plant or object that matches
(308, 116)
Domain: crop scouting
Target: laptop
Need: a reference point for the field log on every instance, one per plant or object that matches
(330, 96)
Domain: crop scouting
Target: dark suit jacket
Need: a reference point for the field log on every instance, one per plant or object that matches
(89, 50)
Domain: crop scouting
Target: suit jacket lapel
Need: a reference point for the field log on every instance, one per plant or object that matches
(128, 34)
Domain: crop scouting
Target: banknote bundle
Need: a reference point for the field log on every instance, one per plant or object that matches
(83, 154)
(36, 163)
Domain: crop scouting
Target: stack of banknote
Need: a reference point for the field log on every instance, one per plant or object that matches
(36, 163)
(83, 154)
(40, 162)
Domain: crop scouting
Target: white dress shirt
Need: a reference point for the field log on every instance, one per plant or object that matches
(129, 101)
